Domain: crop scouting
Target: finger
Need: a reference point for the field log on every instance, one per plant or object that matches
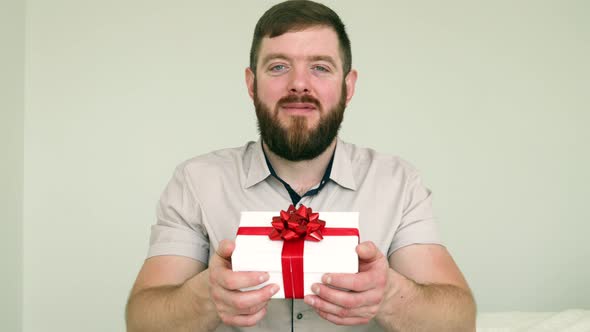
(225, 249)
(320, 304)
(247, 310)
(347, 299)
(368, 252)
(231, 280)
(343, 321)
(253, 310)
(222, 274)
(222, 256)
(357, 282)
(242, 302)
(243, 320)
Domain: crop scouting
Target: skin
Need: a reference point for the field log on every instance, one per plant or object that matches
(301, 63)
(175, 293)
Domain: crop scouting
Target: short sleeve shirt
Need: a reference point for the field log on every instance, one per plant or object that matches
(201, 206)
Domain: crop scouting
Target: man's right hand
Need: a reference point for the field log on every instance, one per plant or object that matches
(236, 307)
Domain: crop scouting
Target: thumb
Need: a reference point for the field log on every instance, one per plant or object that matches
(368, 251)
(225, 249)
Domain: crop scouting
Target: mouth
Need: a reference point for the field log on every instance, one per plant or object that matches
(298, 108)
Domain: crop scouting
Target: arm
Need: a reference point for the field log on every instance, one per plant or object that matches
(174, 293)
(171, 294)
(431, 295)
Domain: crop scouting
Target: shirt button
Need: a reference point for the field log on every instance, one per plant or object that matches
(299, 315)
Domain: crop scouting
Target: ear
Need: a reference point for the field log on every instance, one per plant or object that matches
(350, 81)
(250, 82)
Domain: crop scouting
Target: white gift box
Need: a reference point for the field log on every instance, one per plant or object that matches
(334, 254)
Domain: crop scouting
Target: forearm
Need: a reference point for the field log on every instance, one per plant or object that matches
(185, 307)
(410, 306)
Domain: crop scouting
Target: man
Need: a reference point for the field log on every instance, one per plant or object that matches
(300, 80)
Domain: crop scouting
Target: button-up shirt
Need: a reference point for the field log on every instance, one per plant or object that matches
(201, 206)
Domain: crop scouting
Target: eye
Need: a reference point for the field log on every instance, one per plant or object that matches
(277, 68)
(321, 68)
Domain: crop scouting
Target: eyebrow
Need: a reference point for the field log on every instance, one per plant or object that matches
(273, 56)
(282, 56)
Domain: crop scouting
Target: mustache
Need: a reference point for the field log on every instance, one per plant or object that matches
(299, 99)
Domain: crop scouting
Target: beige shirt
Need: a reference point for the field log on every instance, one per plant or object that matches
(202, 203)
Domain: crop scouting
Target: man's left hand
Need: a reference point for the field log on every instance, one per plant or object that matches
(367, 289)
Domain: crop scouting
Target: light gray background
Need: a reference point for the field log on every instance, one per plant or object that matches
(101, 99)
(12, 60)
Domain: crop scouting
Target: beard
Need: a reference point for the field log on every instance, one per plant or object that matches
(297, 142)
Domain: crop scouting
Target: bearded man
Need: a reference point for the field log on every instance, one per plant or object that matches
(300, 79)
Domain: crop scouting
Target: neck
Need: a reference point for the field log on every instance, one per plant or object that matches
(301, 175)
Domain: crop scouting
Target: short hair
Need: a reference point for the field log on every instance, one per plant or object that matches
(297, 15)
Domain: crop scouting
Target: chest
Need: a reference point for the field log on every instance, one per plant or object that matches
(379, 208)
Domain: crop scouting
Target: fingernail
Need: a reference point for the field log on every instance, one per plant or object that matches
(327, 279)
(274, 289)
(309, 300)
(263, 277)
(316, 289)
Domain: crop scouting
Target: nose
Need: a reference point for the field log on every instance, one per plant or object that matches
(299, 81)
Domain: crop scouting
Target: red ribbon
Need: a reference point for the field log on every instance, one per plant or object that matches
(293, 224)
(294, 227)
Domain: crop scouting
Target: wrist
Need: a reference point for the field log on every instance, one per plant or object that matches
(202, 305)
(400, 292)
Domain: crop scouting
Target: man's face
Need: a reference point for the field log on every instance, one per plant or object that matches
(300, 92)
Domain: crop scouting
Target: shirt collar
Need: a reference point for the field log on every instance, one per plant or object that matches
(342, 167)
(341, 172)
(258, 170)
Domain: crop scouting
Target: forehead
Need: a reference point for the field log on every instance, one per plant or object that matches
(311, 42)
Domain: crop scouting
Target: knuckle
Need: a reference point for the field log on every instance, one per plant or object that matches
(360, 301)
(213, 276)
(350, 302)
(372, 311)
(381, 280)
(356, 302)
(215, 295)
(343, 312)
(253, 319)
(230, 283)
(374, 301)
(225, 319)
(222, 308)
(377, 298)
(238, 303)
(250, 321)
(251, 310)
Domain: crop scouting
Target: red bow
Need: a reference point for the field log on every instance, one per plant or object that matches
(297, 224)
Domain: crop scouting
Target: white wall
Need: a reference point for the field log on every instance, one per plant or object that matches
(12, 24)
(489, 100)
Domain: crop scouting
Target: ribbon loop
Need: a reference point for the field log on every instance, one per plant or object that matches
(293, 224)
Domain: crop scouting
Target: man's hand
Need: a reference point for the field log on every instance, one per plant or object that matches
(234, 306)
(367, 289)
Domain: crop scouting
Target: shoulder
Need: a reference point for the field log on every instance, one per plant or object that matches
(216, 162)
(381, 164)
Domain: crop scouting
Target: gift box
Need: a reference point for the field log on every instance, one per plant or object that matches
(296, 263)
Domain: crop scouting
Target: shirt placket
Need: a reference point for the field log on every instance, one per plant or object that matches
(302, 316)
